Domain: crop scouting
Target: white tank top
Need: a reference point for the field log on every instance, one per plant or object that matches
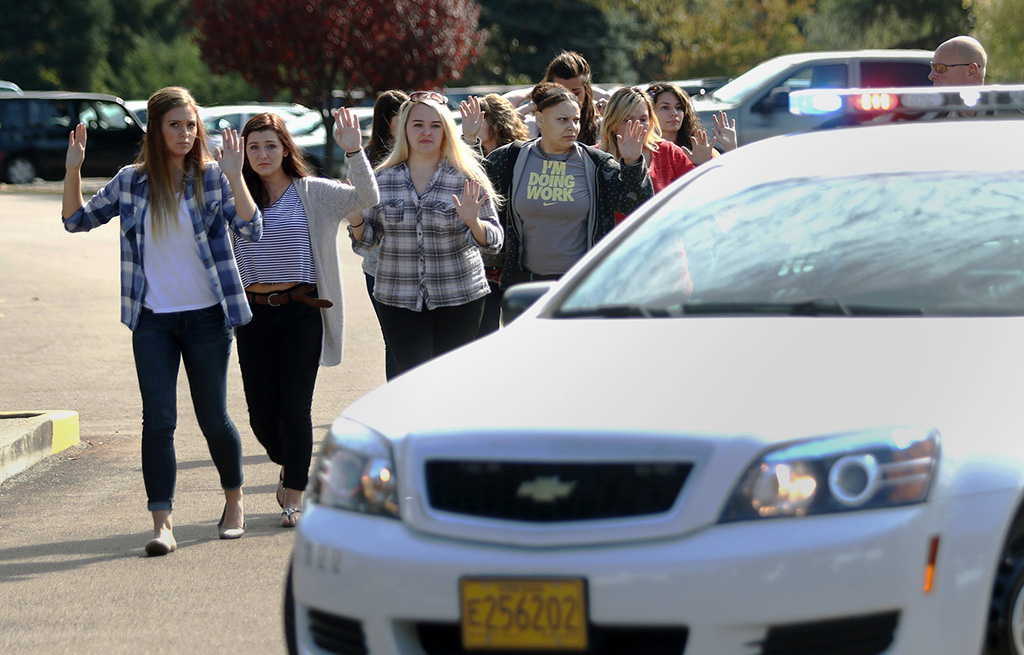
(176, 279)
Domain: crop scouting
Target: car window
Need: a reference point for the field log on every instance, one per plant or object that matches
(49, 114)
(103, 116)
(831, 76)
(750, 81)
(913, 244)
(874, 74)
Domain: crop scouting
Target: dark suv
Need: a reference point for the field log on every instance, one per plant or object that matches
(34, 128)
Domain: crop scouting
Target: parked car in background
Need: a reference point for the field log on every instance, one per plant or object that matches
(304, 124)
(701, 86)
(34, 128)
(759, 99)
(777, 410)
(140, 108)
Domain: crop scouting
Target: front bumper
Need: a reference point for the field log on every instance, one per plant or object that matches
(729, 586)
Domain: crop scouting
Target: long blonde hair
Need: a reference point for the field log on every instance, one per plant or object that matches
(154, 161)
(459, 155)
(620, 106)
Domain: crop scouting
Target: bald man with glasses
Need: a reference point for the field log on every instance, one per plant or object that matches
(959, 61)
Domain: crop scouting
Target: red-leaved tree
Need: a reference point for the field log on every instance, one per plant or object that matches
(312, 47)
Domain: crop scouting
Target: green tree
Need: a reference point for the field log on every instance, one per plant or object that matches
(1000, 28)
(727, 37)
(525, 36)
(850, 24)
(55, 44)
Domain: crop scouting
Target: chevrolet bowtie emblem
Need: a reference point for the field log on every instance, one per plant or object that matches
(545, 490)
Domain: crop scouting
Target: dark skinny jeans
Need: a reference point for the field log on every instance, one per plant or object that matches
(202, 341)
(279, 355)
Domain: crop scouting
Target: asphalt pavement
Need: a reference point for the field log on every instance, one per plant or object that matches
(73, 574)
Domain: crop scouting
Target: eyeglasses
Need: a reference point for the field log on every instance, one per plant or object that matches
(416, 96)
(941, 68)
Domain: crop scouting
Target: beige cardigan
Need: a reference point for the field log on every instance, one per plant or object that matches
(326, 203)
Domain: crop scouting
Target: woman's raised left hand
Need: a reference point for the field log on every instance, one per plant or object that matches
(347, 134)
(631, 144)
(472, 201)
(231, 153)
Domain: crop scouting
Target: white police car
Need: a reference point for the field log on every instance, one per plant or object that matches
(778, 410)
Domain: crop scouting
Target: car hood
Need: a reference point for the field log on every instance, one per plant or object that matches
(771, 379)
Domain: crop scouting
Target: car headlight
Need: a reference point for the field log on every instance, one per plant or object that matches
(355, 471)
(884, 467)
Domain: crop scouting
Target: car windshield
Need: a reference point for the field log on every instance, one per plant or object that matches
(736, 90)
(910, 244)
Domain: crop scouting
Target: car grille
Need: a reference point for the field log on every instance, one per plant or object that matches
(550, 492)
(446, 639)
(862, 635)
(337, 634)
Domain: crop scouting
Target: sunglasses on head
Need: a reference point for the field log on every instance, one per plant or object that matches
(941, 68)
(416, 96)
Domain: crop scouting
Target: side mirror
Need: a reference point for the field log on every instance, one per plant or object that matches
(777, 100)
(518, 298)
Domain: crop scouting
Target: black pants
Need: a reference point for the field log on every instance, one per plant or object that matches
(390, 369)
(492, 310)
(279, 354)
(416, 337)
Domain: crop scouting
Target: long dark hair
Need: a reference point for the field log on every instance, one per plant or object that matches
(690, 124)
(566, 66)
(387, 106)
(293, 164)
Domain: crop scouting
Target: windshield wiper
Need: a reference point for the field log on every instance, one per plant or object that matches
(612, 311)
(809, 307)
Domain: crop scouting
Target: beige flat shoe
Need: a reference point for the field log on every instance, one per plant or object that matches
(161, 546)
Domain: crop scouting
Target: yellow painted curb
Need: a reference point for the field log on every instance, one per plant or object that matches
(65, 430)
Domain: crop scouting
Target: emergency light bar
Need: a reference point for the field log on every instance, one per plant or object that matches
(820, 102)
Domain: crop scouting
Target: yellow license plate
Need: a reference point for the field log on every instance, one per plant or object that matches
(523, 613)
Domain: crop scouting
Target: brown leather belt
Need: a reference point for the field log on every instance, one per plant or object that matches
(299, 293)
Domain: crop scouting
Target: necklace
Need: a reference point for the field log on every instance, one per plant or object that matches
(555, 158)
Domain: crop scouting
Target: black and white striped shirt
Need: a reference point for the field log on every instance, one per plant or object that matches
(283, 253)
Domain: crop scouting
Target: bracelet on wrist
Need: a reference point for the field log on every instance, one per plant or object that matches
(353, 154)
(355, 226)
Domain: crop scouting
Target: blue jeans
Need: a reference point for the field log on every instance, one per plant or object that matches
(202, 340)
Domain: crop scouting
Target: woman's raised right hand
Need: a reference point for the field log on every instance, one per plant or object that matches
(76, 148)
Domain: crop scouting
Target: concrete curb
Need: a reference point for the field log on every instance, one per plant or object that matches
(27, 438)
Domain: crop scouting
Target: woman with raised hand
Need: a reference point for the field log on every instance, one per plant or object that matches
(665, 160)
(488, 123)
(292, 279)
(562, 195)
(435, 216)
(181, 295)
(681, 125)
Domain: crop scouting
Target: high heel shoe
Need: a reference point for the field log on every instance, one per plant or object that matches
(230, 533)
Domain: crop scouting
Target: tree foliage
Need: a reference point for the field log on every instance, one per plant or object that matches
(847, 24)
(313, 47)
(54, 44)
(727, 37)
(1000, 28)
(526, 35)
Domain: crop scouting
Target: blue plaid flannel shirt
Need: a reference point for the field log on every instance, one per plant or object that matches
(127, 195)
